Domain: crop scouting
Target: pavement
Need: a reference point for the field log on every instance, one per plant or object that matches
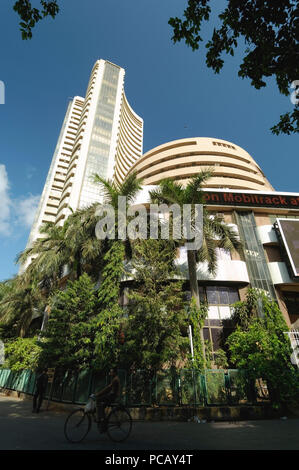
(20, 429)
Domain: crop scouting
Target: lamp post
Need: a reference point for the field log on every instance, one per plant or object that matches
(191, 341)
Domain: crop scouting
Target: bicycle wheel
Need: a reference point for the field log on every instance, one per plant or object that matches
(119, 424)
(77, 425)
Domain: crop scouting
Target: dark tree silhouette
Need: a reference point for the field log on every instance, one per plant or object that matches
(30, 16)
(270, 29)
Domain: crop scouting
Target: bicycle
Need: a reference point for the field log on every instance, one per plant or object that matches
(117, 423)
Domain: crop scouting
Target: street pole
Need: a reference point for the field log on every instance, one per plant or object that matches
(191, 342)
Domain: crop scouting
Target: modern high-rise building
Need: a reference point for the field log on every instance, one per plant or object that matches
(100, 134)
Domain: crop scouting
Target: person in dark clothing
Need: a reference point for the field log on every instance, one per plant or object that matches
(40, 389)
(107, 395)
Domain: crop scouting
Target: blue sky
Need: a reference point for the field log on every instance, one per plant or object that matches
(168, 85)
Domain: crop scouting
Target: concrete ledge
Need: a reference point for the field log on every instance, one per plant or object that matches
(179, 413)
(208, 413)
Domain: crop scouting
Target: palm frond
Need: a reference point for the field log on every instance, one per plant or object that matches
(130, 186)
(169, 192)
(109, 190)
(193, 191)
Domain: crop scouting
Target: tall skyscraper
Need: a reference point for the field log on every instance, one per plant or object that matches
(100, 134)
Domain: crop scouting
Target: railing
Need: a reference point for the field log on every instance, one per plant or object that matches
(169, 387)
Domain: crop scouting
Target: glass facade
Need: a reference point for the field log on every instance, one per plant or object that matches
(256, 263)
(100, 140)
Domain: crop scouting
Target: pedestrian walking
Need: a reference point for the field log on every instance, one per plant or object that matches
(40, 389)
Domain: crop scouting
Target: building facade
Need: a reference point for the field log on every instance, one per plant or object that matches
(179, 160)
(100, 134)
(238, 189)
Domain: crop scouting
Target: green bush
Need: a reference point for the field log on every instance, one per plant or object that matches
(22, 353)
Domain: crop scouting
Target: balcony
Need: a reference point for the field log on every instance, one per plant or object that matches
(228, 271)
(279, 273)
(267, 234)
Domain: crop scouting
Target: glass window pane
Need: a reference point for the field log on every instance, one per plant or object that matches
(213, 312)
(224, 312)
(233, 295)
(216, 338)
(206, 334)
(223, 295)
(212, 295)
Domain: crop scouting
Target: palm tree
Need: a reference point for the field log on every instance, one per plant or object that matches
(216, 234)
(120, 248)
(73, 245)
(47, 256)
(21, 303)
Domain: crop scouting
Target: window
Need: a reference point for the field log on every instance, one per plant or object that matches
(217, 324)
(221, 295)
(291, 300)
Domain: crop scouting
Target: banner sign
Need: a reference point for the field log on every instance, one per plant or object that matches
(274, 200)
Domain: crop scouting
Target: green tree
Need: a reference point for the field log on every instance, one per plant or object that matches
(270, 30)
(6, 287)
(245, 311)
(73, 245)
(215, 233)
(156, 328)
(117, 250)
(21, 302)
(68, 342)
(197, 317)
(30, 15)
(22, 353)
(262, 348)
(109, 319)
(7, 327)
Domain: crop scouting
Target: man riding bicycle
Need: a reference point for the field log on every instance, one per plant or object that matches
(107, 395)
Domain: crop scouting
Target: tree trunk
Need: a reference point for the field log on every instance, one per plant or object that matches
(195, 291)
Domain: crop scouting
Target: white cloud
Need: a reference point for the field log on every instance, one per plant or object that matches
(15, 212)
(5, 202)
(25, 210)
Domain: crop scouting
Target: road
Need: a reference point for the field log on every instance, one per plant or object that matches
(22, 430)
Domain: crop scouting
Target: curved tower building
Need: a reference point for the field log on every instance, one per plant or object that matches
(100, 134)
(232, 166)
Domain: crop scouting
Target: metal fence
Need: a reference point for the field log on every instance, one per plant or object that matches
(169, 387)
